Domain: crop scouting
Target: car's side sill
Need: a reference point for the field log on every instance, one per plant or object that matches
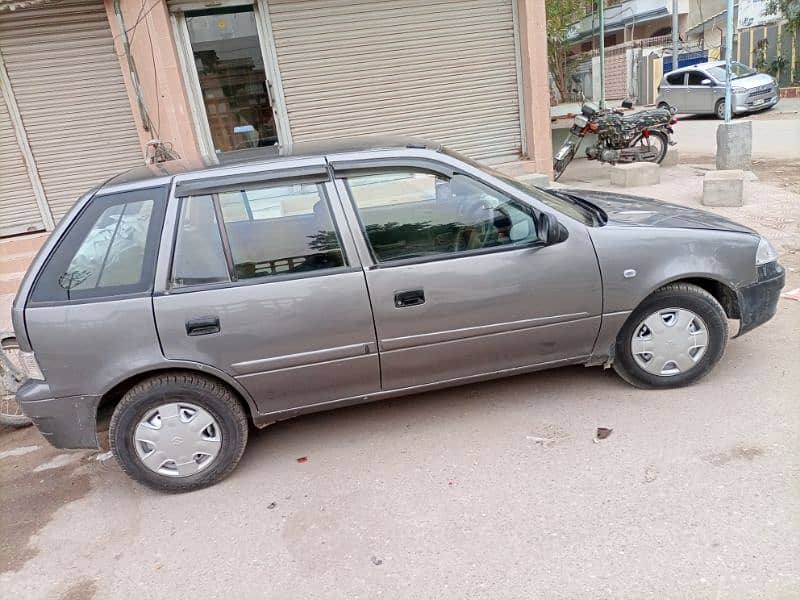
(264, 419)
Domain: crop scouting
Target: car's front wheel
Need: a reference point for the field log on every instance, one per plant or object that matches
(178, 432)
(672, 339)
(719, 109)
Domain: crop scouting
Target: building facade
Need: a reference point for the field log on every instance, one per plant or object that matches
(93, 87)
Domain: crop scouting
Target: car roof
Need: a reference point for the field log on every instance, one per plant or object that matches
(705, 65)
(162, 173)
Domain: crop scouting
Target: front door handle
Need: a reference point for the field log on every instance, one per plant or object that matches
(202, 326)
(409, 298)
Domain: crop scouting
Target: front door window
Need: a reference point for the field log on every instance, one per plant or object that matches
(407, 214)
(230, 69)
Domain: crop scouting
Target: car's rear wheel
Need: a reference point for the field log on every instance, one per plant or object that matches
(672, 339)
(178, 432)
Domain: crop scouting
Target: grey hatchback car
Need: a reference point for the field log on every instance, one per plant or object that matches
(175, 305)
(700, 89)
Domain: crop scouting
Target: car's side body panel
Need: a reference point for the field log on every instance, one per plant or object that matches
(487, 313)
(666, 256)
(83, 347)
(631, 271)
(289, 343)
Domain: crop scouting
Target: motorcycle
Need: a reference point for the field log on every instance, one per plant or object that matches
(641, 137)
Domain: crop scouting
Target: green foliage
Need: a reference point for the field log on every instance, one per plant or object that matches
(790, 9)
(560, 15)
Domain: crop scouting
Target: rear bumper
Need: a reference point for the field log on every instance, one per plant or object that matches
(758, 301)
(64, 422)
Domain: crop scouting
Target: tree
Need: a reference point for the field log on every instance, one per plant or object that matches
(790, 9)
(560, 15)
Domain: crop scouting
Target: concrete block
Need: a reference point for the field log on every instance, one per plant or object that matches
(535, 179)
(635, 174)
(735, 145)
(723, 188)
(671, 158)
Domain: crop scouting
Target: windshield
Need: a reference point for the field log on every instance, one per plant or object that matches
(562, 204)
(738, 70)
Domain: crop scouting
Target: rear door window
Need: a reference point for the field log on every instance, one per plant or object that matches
(676, 78)
(696, 78)
(109, 250)
(276, 229)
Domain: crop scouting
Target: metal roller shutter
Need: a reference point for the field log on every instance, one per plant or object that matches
(439, 69)
(18, 209)
(71, 96)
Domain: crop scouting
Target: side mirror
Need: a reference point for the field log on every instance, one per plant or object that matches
(550, 230)
(706, 81)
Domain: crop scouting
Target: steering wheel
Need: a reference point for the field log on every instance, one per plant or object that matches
(472, 212)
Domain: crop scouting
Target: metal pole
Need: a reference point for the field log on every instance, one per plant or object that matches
(674, 35)
(602, 16)
(728, 52)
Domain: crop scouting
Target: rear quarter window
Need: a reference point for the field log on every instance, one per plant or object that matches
(109, 250)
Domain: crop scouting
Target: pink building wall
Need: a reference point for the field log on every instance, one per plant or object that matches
(166, 100)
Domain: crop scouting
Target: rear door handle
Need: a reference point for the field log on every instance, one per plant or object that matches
(202, 326)
(409, 298)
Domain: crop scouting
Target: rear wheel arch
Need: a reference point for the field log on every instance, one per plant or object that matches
(112, 397)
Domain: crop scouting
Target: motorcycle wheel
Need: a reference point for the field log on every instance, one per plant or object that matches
(559, 166)
(659, 142)
(13, 371)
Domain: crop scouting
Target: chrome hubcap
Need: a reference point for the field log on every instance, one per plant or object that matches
(177, 439)
(669, 342)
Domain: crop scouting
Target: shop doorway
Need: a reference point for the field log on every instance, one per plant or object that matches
(229, 77)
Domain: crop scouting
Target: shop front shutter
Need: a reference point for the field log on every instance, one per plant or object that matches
(18, 209)
(445, 70)
(66, 78)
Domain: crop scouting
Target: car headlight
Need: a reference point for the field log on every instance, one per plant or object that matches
(765, 253)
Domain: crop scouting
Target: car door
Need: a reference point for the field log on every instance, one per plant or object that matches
(460, 283)
(676, 91)
(699, 96)
(263, 286)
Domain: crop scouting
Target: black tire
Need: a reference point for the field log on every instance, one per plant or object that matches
(664, 141)
(559, 166)
(674, 295)
(719, 109)
(207, 393)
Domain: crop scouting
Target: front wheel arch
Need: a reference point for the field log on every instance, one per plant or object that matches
(681, 295)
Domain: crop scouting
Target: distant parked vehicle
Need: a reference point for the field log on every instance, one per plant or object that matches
(700, 89)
